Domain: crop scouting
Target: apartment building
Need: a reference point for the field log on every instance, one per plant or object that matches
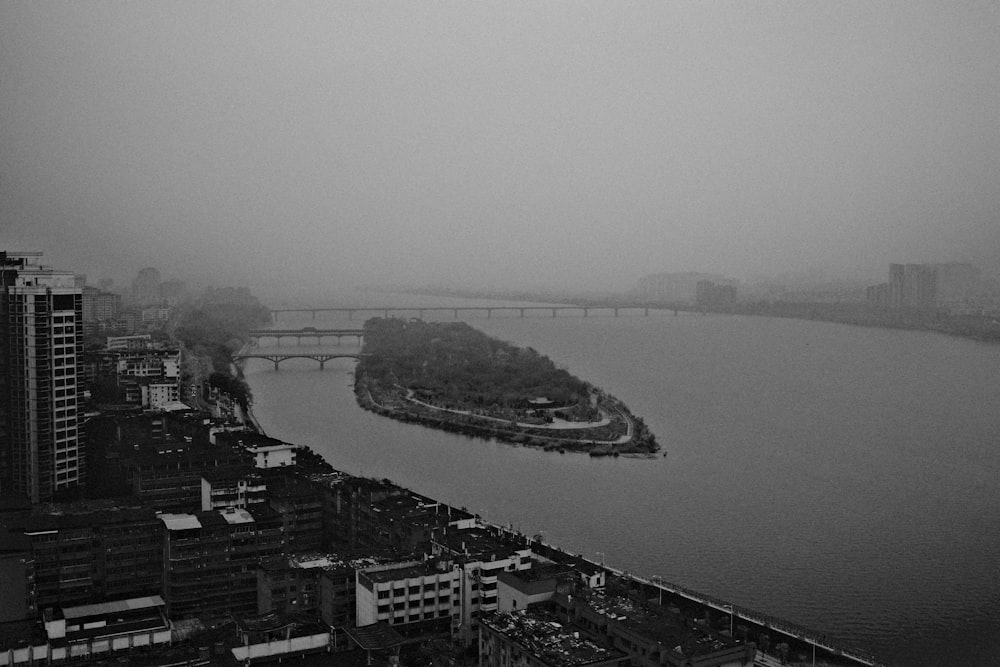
(41, 352)
(423, 596)
(210, 559)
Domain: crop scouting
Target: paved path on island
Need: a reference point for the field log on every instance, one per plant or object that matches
(562, 425)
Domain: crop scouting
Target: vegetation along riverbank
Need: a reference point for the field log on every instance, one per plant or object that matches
(450, 376)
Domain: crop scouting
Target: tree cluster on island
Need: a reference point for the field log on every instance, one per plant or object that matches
(454, 377)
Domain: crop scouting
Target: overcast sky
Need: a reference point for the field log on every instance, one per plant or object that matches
(497, 143)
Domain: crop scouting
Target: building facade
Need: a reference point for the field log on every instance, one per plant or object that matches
(41, 351)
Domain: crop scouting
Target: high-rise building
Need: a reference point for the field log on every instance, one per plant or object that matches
(99, 306)
(957, 281)
(41, 349)
(897, 273)
(920, 287)
(911, 286)
(146, 286)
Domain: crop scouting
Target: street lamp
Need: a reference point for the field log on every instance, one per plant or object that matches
(658, 580)
(601, 554)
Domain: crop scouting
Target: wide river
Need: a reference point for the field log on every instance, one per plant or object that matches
(844, 478)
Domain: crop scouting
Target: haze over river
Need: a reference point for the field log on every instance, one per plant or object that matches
(844, 478)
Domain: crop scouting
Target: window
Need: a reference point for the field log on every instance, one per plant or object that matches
(382, 595)
(415, 590)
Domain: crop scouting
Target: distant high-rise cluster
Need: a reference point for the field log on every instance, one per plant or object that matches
(712, 295)
(925, 286)
(679, 287)
(910, 287)
(41, 349)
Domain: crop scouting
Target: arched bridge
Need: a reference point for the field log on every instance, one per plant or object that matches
(278, 357)
(308, 332)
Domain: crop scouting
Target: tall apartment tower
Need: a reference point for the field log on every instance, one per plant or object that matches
(146, 286)
(41, 347)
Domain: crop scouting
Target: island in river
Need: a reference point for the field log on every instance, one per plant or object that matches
(450, 376)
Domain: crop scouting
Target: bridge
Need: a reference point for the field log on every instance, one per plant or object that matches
(255, 335)
(252, 350)
(278, 357)
(488, 310)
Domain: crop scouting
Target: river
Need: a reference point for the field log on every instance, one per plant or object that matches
(840, 477)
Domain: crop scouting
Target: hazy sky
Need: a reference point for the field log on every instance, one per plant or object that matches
(497, 143)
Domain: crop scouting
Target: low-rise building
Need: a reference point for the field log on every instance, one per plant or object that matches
(481, 554)
(273, 637)
(159, 395)
(301, 508)
(85, 633)
(273, 456)
(92, 552)
(167, 475)
(96, 630)
(424, 596)
(537, 639)
(519, 589)
(651, 636)
(210, 560)
(234, 486)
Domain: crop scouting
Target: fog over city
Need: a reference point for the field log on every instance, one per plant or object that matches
(515, 145)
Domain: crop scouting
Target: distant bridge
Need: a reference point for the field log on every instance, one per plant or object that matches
(308, 332)
(488, 310)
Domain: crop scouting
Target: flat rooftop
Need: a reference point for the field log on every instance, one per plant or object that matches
(404, 571)
(663, 627)
(234, 516)
(476, 543)
(113, 607)
(547, 639)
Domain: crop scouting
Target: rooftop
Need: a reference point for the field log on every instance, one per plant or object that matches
(547, 639)
(404, 570)
(180, 521)
(115, 606)
(476, 544)
(230, 473)
(234, 515)
(659, 625)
